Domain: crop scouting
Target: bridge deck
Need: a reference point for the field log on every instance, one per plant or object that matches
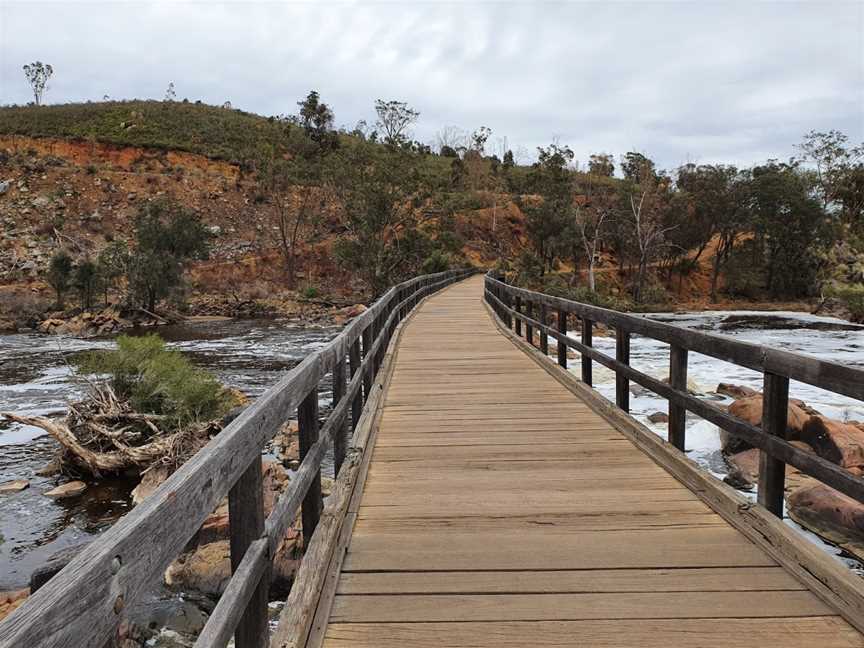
(499, 510)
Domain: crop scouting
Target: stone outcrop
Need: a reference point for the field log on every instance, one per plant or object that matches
(829, 514)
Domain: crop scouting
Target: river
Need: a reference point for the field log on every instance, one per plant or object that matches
(35, 378)
(250, 355)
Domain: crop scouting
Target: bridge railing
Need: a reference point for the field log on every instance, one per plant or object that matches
(85, 602)
(520, 308)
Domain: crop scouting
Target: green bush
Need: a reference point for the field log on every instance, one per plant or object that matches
(158, 380)
(310, 292)
(438, 261)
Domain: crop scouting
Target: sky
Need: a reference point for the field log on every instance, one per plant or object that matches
(686, 81)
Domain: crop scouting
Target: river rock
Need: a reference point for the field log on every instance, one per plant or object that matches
(9, 601)
(54, 564)
(64, 491)
(830, 514)
(840, 443)
(14, 486)
(750, 409)
(658, 417)
(744, 469)
(735, 391)
(150, 481)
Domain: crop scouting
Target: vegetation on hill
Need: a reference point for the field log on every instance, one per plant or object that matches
(386, 206)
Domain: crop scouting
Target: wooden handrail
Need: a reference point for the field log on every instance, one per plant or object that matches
(84, 603)
(777, 367)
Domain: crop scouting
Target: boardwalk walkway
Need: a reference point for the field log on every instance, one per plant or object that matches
(500, 510)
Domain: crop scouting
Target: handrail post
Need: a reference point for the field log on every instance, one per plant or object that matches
(544, 339)
(622, 384)
(367, 366)
(354, 360)
(562, 329)
(246, 525)
(529, 330)
(340, 432)
(307, 421)
(587, 334)
(772, 472)
(508, 303)
(677, 380)
(518, 319)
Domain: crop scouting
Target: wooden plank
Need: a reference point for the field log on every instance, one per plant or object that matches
(727, 579)
(807, 632)
(829, 579)
(425, 608)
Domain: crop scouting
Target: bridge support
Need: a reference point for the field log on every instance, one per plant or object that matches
(307, 420)
(587, 334)
(772, 472)
(622, 355)
(677, 380)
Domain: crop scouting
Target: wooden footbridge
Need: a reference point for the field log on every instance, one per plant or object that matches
(486, 496)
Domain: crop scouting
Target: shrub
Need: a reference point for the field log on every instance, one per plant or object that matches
(852, 297)
(438, 261)
(310, 292)
(158, 380)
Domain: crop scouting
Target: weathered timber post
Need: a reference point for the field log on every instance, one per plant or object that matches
(307, 420)
(518, 319)
(544, 339)
(246, 525)
(367, 366)
(354, 359)
(772, 472)
(340, 432)
(677, 380)
(587, 334)
(529, 330)
(622, 354)
(508, 303)
(562, 329)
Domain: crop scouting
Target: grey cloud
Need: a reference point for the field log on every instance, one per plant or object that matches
(731, 81)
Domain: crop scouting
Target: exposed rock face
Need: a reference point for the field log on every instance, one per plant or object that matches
(64, 491)
(829, 514)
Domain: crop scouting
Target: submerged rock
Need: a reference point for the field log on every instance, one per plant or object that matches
(14, 486)
(658, 417)
(64, 491)
(735, 391)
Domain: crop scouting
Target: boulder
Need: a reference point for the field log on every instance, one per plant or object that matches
(749, 409)
(14, 486)
(829, 514)
(658, 417)
(207, 569)
(65, 491)
(840, 443)
(150, 481)
(735, 391)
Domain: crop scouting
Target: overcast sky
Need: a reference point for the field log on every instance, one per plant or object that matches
(681, 81)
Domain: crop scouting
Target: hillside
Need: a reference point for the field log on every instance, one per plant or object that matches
(76, 176)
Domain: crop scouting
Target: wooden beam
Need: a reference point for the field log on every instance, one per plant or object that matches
(562, 329)
(307, 420)
(772, 472)
(622, 355)
(677, 380)
(246, 525)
